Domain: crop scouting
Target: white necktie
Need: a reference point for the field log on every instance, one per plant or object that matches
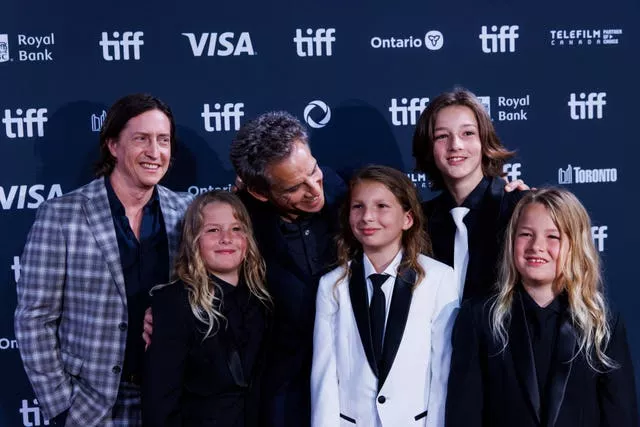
(460, 248)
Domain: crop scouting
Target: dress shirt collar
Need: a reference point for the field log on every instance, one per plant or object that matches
(474, 199)
(391, 270)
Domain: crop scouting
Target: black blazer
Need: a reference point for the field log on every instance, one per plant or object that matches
(190, 382)
(493, 388)
(286, 382)
(492, 210)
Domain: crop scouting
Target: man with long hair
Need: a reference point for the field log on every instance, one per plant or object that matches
(90, 259)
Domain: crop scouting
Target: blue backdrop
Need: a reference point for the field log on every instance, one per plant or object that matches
(559, 80)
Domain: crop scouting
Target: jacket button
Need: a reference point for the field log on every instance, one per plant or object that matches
(122, 326)
(382, 399)
(116, 369)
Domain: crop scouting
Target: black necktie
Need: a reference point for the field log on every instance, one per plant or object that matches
(377, 311)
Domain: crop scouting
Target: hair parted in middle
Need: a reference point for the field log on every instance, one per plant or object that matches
(204, 297)
(579, 275)
(266, 140)
(494, 154)
(414, 240)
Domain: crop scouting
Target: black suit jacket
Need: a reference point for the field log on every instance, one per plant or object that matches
(286, 381)
(191, 382)
(492, 209)
(493, 388)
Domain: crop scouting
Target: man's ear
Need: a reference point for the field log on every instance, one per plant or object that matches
(257, 194)
(111, 145)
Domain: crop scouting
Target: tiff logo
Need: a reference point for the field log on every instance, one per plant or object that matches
(220, 45)
(599, 233)
(408, 111)
(497, 42)
(587, 105)
(97, 121)
(16, 268)
(512, 170)
(312, 45)
(27, 411)
(15, 126)
(222, 119)
(111, 48)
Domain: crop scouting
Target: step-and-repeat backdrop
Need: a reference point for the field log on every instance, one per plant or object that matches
(560, 80)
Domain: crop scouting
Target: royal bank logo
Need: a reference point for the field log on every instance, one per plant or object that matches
(585, 106)
(432, 40)
(223, 117)
(123, 46)
(585, 37)
(512, 171)
(499, 39)
(97, 120)
(405, 111)
(508, 109)
(578, 175)
(317, 114)
(599, 234)
(220, 44)
(24, 123)
(31, 48)
(317, 42)
(27, 196)
(4, 48)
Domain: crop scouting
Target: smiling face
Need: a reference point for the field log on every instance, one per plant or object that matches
(539, 247)
(296, 185)
(142, 151)
(223, 241)
(377, 219)
(457, 149)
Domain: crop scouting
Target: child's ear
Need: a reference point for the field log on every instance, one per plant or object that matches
(408, 220)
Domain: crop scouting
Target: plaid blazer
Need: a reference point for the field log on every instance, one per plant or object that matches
(72, 302)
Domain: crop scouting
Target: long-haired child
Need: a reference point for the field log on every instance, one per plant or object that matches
(204, 361)
(384, 316)
(547, 350)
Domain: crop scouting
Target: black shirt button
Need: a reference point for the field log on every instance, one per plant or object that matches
(382, 399)
(122, 326)
(116, 370)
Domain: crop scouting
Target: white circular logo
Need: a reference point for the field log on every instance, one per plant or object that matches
(325, 110)
(433, 40)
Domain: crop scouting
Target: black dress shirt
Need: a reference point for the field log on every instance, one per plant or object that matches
(307, 240)
(543, 324)
(145, 263)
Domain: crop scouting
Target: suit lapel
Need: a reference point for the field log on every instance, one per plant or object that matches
(560, 368)
(98, 213)
(396, 321)
(360, 304)
(171, 216)
(522, 355)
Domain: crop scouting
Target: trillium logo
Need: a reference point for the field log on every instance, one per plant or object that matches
(323, 120)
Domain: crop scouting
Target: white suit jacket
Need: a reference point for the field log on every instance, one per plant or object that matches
(410, 388)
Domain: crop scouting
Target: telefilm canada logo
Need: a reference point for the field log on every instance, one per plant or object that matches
(432, 40)
(585, 37)
(578, 175)
(419, 179)
(30, 47)
(507, 109)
